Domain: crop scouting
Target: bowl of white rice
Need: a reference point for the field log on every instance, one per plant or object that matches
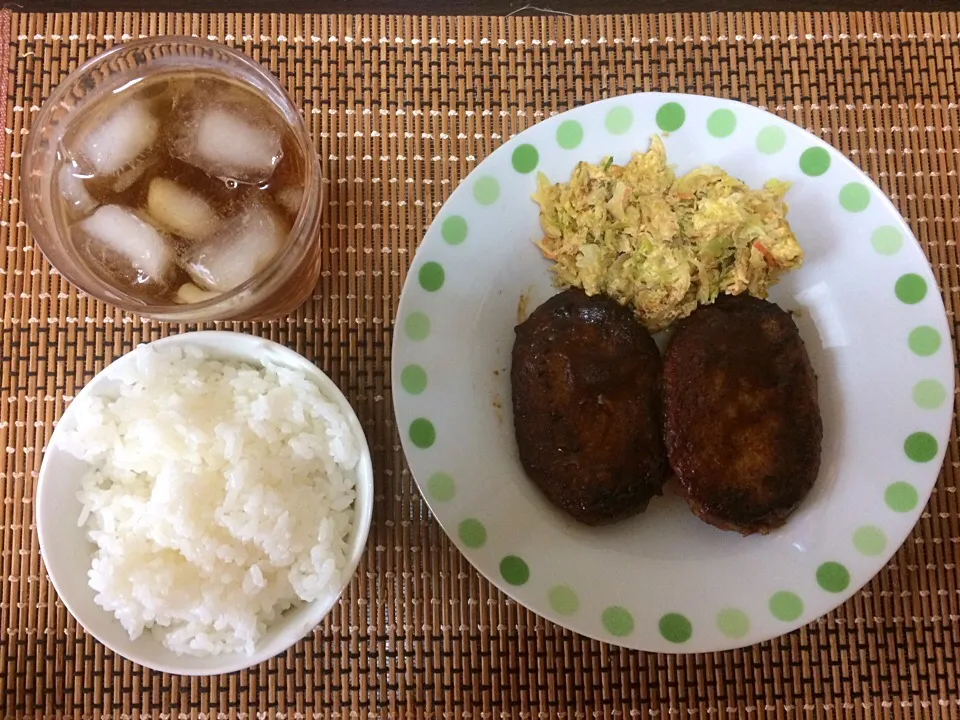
(204, 501)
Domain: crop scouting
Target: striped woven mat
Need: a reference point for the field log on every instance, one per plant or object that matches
(401, 109)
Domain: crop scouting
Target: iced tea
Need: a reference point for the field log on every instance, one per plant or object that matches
(173, 177)
(180, 187)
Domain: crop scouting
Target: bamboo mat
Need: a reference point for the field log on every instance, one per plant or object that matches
(401, 108)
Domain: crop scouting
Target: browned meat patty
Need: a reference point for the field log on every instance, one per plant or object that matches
(587, 407)
(741, 420)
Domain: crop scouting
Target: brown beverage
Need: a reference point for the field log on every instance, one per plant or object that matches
(180, 187)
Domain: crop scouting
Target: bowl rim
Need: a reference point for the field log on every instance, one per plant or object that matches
(269, 646)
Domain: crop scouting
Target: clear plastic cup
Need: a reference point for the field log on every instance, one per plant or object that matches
(278, 288)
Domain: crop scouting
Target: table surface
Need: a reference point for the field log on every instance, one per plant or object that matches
(482, 7)
(419, 633)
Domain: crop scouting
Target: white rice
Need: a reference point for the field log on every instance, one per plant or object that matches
(220, 495)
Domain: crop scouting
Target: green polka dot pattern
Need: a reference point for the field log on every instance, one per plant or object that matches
(901, 497)
(733, 623)
(929, 394)
(869, 540)
(413, 379)
(814, 161)
(786, 606)
(854, 197)
(486, 190)
(422, 433)
(472, 533)
(417, 326)
(618, 120)
(441, 486)
(920, 447)
(833, 577)
(563, 600)
(525, 158)
(675, 628)
(671, 116)
(514, 570)
(569, 134)
(886, 240)
(454, 230)
(771, 140)
(910, 288)
(431, 276)
(721, 123)
(618, 621)
(924, 341)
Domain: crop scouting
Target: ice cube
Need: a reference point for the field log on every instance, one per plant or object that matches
(116, 237)
(188, 294)
(230, 142)
(125, 180)
(180, 210)
(117, 141)
(73, 191)
(238, 251)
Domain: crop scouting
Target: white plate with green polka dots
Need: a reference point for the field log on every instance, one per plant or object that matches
(870, 316)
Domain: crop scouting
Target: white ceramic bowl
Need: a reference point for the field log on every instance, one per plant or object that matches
(67, 553)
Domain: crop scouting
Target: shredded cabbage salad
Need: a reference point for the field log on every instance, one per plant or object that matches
(664, 244)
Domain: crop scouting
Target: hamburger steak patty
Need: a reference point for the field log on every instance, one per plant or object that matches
(741, 421)
(587, 407)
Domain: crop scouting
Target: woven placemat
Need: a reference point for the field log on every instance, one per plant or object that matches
(402, 108)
